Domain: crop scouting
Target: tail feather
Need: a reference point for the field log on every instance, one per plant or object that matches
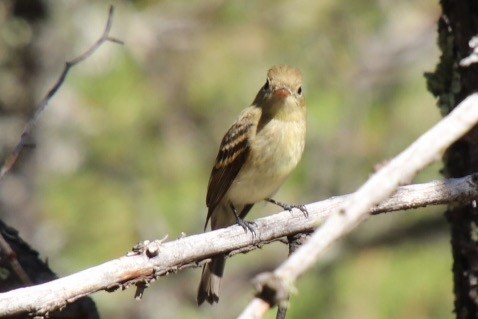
(221, 216)
(211, 280)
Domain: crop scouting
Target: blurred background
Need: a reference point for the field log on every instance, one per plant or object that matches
(124, 150)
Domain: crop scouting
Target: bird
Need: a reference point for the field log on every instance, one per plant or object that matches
(255, 156)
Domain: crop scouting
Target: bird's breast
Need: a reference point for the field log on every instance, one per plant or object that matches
(274, 152)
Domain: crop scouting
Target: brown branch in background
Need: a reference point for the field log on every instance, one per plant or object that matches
(27, 131)
(11, 256)
(158, 258)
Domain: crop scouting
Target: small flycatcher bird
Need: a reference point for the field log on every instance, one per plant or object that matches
(255, 156)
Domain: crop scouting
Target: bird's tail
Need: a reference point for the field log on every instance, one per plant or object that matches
(211, 280)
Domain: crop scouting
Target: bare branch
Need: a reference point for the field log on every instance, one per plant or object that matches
(27, 131)
(152, 259)
(349, 214)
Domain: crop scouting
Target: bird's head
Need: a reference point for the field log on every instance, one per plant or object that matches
(282, 91)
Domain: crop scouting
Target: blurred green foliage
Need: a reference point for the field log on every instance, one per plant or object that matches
(145, 121)
(380, 283)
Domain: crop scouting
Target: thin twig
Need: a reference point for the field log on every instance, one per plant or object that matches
(27, 131)
(157, 258)
(382, 184)
(13, 261)
(295, 242)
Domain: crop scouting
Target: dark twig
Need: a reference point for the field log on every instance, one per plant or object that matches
(13, 261)
(27, 131)
(295, 241)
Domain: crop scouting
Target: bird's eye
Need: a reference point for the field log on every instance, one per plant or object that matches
(299, 90)
(266, 86)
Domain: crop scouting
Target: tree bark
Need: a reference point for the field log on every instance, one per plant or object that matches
(452, 83)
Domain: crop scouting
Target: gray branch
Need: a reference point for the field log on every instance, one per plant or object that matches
(158, 258)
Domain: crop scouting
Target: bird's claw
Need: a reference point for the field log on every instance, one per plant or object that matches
(247, 225)
(243, 223)
(289, 207)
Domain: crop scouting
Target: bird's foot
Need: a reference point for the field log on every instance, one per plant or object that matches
(246, 225)
(289, 207)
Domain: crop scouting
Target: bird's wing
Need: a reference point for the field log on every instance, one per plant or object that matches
(233, 152)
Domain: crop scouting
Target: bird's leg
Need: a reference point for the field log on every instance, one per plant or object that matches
(289, 207)
(241, 222)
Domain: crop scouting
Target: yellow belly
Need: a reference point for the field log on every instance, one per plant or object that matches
(274, 153)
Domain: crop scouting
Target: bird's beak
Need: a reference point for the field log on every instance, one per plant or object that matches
(281, 93)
